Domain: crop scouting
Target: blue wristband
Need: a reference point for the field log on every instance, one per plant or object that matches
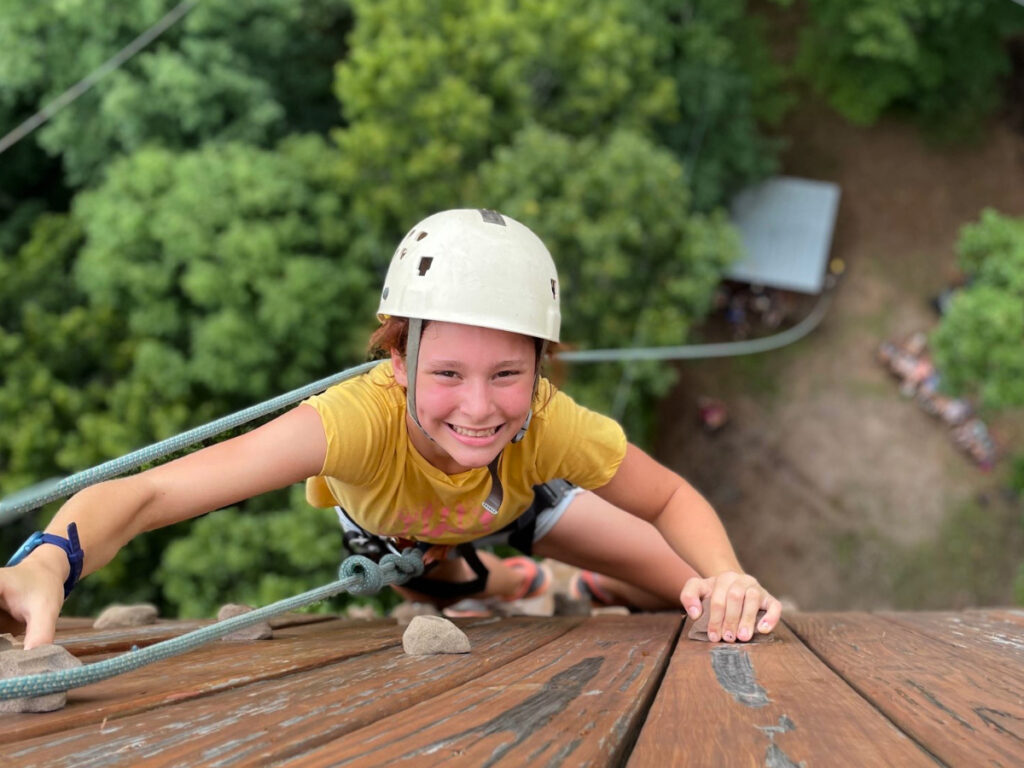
(71, 546)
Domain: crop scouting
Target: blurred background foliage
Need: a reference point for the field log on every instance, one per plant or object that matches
(208, 226)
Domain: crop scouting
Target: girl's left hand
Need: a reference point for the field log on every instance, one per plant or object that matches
(735, 600)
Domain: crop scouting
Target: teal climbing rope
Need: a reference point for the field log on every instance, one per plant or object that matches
(358, 575)
(36, 496)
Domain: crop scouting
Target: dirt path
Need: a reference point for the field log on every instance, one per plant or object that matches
(837, 491)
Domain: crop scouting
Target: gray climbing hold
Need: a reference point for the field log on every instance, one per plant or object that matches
(569, 606)
(116, 616)
(405, 612)
(433, 634)
(259, 631)
(7, 642)
(42, 658)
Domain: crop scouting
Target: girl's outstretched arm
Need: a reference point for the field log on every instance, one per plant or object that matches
(108, 515)
(655, 493)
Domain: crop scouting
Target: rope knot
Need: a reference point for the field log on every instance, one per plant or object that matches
(367, 571)
(407, 566)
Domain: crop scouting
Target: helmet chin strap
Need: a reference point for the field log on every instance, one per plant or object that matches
(412, 356)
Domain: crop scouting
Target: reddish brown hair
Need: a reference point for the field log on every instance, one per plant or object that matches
(393, 334)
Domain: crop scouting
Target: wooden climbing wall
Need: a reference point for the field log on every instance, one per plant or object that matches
(829, 689)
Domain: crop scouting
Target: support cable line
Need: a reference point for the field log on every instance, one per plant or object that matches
(701, 351)
(87, 82)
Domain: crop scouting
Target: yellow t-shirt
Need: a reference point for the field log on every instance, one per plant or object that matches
(377, 476)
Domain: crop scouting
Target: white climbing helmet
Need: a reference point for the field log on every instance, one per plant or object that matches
(475, 267)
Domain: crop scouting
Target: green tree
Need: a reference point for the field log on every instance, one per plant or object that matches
(184, 287)
(637, 265)
(939, 59)
(242, 557)
(228, 71)
(237, 273)
(730, 93)
(979, 346)
(431, 89)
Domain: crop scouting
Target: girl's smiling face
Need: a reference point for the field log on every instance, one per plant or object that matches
(473, 391)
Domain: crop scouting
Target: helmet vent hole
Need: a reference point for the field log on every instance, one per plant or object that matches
(425, 263)
(554, 290)
(420, 236)
(401, 254)
(384, 295)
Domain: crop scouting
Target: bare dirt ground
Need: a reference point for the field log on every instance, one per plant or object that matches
(838, 492)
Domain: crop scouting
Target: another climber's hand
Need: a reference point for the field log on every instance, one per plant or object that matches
(735, 599)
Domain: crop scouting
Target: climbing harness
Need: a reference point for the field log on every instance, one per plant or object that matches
(357, 575)
(518, 534)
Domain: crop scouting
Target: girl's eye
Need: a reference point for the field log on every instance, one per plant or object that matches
(506, 374)
(446, 374)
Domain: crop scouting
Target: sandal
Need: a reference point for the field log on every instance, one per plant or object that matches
(584, 586)
(537, 578)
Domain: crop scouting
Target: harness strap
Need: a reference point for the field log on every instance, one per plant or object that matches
(445, 590)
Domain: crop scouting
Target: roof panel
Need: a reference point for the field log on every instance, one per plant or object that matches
(786, 227)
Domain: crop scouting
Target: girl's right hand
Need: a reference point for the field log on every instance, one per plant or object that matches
(31, 595)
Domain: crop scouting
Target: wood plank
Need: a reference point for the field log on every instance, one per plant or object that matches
(575, 701)
(85, 641)
(964, 708)
(974, 632)
(1012, 615)
(767, 703)
(214, 667)
(73, 622)
(271, 720)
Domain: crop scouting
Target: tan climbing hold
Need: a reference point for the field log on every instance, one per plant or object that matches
(433, 634)
(116, 616)
(42, 658)
(259, 631)
(360, 612)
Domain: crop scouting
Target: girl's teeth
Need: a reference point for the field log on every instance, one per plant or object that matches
(474, 432)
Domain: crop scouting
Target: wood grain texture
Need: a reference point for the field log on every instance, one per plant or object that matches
(214, 667)
(976, 633)
(270, 720)
(967, 708)
(770, 703)
(575, 701)
(84, 640)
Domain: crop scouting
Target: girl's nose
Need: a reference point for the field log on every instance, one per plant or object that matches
(478, 403)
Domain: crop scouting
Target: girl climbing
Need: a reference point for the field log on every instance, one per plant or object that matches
(456, 438)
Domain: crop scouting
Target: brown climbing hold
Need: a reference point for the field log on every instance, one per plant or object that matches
(433, 634)
(116, 616)
(259, 631)
(42, 658)
(699, 628)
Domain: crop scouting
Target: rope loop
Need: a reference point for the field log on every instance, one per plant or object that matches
(363, 568)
